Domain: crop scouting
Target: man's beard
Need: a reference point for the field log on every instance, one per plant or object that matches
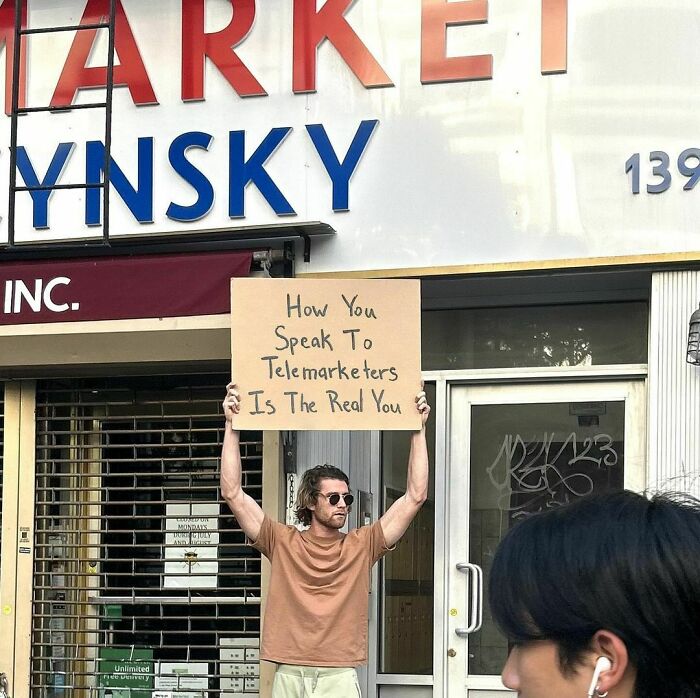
(333, 521)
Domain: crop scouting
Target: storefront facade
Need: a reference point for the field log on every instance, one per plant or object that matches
(533, 164)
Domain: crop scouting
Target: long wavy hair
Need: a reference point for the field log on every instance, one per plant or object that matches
(308, 489)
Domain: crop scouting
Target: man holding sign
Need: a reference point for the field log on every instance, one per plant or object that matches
(316, 618)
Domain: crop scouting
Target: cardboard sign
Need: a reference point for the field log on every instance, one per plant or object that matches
(326, 354)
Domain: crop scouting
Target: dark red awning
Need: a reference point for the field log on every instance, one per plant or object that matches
(118, 288)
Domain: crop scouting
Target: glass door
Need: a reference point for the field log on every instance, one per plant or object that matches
(515, 451)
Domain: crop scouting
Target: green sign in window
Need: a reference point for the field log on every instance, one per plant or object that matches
(125, 673)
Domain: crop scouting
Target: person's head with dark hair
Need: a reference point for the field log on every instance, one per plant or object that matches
(317, 496)
(615, 576)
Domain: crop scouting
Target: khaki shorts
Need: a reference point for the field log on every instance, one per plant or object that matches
(315, 682)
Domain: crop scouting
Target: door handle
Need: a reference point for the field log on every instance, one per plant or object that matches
(4, 686)
(476, 601)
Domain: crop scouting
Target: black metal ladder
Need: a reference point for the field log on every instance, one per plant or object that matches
(20, 34)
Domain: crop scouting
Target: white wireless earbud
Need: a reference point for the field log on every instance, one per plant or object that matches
(602, 664)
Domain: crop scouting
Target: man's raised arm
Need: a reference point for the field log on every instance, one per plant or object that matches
(400, 514)
(246, 510)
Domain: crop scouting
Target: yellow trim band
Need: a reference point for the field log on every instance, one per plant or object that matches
(496, 268)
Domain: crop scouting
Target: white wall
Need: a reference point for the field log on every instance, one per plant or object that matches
(674, 385)
(521, 168)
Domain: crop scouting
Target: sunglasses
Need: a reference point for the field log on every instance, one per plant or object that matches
(334, 498)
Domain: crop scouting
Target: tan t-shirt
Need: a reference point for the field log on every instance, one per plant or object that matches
(316, 612)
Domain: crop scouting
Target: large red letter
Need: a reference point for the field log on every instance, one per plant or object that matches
(196, 45)
(554, 47)
(7, 39)
(435, 66)
(311, 27)
(130, 72)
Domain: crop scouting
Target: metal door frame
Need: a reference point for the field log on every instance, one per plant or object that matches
(633, 374)
(17, 533)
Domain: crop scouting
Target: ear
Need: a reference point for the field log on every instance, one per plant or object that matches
(622, 674)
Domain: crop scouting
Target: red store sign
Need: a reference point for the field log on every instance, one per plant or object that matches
(119, 288)
(311, 28)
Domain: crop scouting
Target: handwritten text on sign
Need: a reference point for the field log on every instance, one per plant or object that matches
(326, 354)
